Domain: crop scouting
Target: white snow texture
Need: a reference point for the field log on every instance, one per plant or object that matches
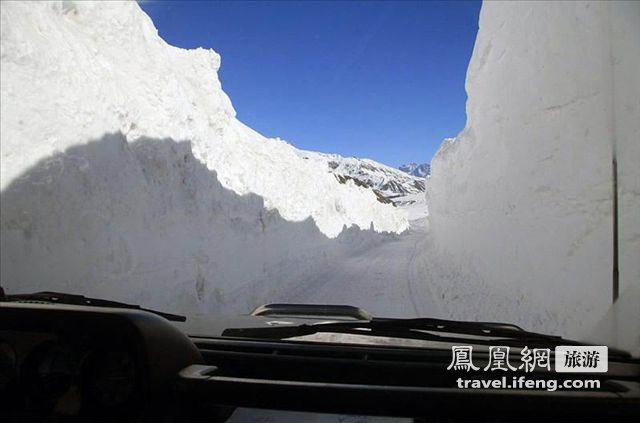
(125, 174)
(75, 71)
(521, 201)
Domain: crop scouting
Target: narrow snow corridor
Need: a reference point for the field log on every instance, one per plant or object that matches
(162, 197)
(387, 279)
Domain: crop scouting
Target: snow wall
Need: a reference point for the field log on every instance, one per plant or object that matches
(146, 222)
(75, 71)
(521, 200)
(126, 175)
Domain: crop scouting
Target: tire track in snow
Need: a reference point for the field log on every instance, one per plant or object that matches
(419, 280)
(410, 264)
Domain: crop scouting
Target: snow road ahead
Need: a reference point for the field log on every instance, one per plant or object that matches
(388, 279)
(405, 275)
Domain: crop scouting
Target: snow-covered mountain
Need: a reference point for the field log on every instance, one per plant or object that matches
(421, 170)
(387, 182)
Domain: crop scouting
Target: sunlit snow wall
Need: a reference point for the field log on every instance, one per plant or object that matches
(521, 200)
(125, 174)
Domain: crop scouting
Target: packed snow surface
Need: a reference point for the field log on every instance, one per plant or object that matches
(75, 71)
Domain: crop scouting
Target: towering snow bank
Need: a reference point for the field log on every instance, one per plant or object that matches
(146, 222)
(75, 71)
(521, 200)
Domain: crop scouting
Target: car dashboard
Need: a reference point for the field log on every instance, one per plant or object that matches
(86, 363)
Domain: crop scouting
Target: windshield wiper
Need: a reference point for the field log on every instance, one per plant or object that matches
(397, 329)
(49, 297)
(483, 329)
(425, 329)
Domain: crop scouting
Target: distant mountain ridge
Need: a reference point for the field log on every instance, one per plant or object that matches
(387, 182)
(421, 170)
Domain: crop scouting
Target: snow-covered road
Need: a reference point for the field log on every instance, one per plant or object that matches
(387, 279)
(405, 275)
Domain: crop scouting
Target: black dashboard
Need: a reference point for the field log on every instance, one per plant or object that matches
(65, 360)
(81, 363)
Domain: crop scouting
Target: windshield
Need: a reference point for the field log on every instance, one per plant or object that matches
(464, 161)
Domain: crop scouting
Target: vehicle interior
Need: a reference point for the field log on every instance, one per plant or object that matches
(83, 359)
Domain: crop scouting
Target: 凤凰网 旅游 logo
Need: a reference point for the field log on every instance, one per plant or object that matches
(567, 359)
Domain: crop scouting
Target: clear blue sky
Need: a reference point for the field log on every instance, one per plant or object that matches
(383, 80)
